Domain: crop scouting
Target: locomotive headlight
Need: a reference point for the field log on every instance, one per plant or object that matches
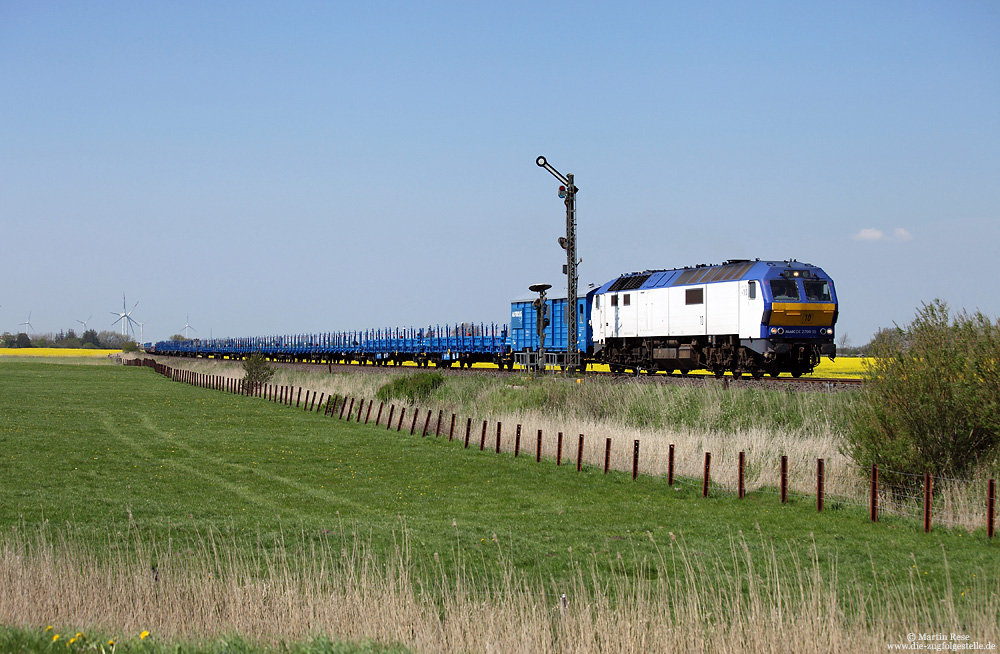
(774, 330)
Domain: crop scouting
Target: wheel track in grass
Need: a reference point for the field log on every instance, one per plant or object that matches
(247, 495)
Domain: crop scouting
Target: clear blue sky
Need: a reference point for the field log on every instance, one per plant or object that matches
(295, 167)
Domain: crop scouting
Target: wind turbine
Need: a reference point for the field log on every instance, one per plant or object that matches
(140, 329)
(125, 317)
(27, 324)
(84, 322)
(187, 326)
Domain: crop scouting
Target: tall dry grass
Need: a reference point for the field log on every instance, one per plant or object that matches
(337, 586)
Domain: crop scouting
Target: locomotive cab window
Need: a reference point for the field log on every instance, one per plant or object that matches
(817, 291)
(626, 300)
(614, 300)
(784, 290)
(752, 286)
(694, 296)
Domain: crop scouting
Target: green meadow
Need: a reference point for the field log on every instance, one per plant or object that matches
(91, 452)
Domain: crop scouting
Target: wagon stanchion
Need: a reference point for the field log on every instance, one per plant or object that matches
(559, 450)
(517, 442)
(819, 484)
(607, 454)
(635, 459)
(708, 466)
(741, 486)
(670, 466)
(579, 455)
(873, 508)
(499, 427)
(538, 448)
(784, 478)
(928, 482)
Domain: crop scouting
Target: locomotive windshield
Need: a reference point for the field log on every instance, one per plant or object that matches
(784, 290)
(817, 291)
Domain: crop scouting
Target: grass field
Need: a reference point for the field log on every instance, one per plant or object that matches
(106, 458)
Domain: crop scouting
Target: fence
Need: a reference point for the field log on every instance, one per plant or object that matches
(934, 500)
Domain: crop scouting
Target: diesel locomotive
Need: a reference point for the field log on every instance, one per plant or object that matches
(745, 317)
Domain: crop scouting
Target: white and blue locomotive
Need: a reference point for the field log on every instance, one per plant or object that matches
(744, 317)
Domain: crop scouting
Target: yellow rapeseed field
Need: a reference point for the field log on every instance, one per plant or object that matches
(54, 352)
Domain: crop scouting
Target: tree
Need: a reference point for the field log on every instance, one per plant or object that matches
(931, 398)
(177, 337)
(23, 340)
(8, 340)
(90, 338)
(256, 371)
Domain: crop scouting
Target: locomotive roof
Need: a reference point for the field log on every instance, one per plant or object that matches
(733, 269)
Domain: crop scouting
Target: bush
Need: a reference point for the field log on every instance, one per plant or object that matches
(931, 399)
(413, 388)
(256, 371)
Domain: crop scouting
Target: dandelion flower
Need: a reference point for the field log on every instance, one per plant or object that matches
(55, 638)
(143, 635)
(49, 628)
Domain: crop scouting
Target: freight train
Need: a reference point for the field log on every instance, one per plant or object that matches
(743, 317)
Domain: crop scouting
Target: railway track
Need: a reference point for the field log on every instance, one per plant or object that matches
(694, 379)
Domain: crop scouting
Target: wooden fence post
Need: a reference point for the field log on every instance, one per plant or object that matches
(298, 398)
(499, 427)
(579, 455)
(670, 466)
(819, 484)
(538, 449)
(928, 493)
(468, 430)
(437, 428)
(607, 454)
(427, 421)
(402, 412)
(784, 478)
(635, 459)
(741, 486)
(708, 466)
(517, 442)
(413, 423)
(482, 438)
(378, 418)
(874, 495)
(369, 414)
(388, 422)
(559, 450)
(451, 431)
